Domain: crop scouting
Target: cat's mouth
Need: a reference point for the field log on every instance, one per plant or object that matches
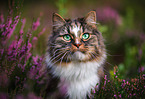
(78, 56)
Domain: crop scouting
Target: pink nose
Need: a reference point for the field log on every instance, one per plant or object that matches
(77, 45)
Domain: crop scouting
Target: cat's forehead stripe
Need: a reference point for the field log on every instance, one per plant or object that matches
(75, 28)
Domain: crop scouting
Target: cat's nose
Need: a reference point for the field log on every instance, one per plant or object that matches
(77, 45)
(77, 42)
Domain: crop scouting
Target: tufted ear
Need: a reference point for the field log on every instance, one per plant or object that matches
(91, 18)
(58, 21)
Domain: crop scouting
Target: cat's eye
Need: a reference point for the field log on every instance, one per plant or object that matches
(67, 37)
(85, 36)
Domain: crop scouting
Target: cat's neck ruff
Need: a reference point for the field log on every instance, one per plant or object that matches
(78, 78)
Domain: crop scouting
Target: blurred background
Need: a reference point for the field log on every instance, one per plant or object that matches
(122, 23)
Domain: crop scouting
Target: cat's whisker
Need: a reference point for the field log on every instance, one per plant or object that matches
(53, 58)
(55, 52)
(63, 57)
(109, 64)
(68, 56)
(54, 62)
(108, 73)
(58, 50)
(112, 55)
(53, 55)
(58, 59)
(93, 56)
(55, 44)
(103, 68)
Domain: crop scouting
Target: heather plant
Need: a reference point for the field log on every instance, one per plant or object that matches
(20, 75)
(121, 88)
(18, 65)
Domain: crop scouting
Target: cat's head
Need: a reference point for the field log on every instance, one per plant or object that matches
(75, 40)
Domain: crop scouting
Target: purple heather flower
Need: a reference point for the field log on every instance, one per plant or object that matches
(119, 96)
(2, 18)
(23, 24)
(127, 83)
(1, 51)
(141, 69)
(17, 79)
(142, 37)
(34, 40)
(29, 46)
(104, 83)
(19, 97)
(19, 42)
(108, 14)
(43, 30)
(105, 77)
(36, 24)
(7, 26)
(35, 59)
(3, 96)
(115, 95)
(13, 27)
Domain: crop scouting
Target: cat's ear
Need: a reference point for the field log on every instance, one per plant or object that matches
(58, 21)
(91, 18)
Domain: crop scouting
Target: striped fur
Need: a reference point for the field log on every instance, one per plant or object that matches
(77, 62)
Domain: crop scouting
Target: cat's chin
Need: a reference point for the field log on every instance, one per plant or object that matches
(78, 56)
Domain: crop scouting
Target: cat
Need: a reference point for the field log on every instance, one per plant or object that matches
(75, 57)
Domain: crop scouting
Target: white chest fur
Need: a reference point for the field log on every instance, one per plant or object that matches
(77, 78)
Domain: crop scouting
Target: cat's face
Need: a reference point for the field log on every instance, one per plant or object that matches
(75, 40)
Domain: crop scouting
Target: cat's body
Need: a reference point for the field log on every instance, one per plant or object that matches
(75, 56)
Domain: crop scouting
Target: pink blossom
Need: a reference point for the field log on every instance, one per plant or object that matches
(108, 14)
(29, 46)
(141, 69)
(105, 77)
(1, 51)
(23, 24)
(3, 96)
(115, 95)
(19, 42)
(43, 30)
(17, 79)
(7, 26)
(119, 96)
(20, 96)
(36, 24)
(2, 18)
(32, 72)
(13, 27)
(34, 41)
(35, 59)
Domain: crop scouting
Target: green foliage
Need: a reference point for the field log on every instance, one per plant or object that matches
(62, 10)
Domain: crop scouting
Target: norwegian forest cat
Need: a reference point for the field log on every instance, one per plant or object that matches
(75, 57)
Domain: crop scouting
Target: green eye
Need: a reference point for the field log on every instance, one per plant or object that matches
(85, 36)
(67, 37)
